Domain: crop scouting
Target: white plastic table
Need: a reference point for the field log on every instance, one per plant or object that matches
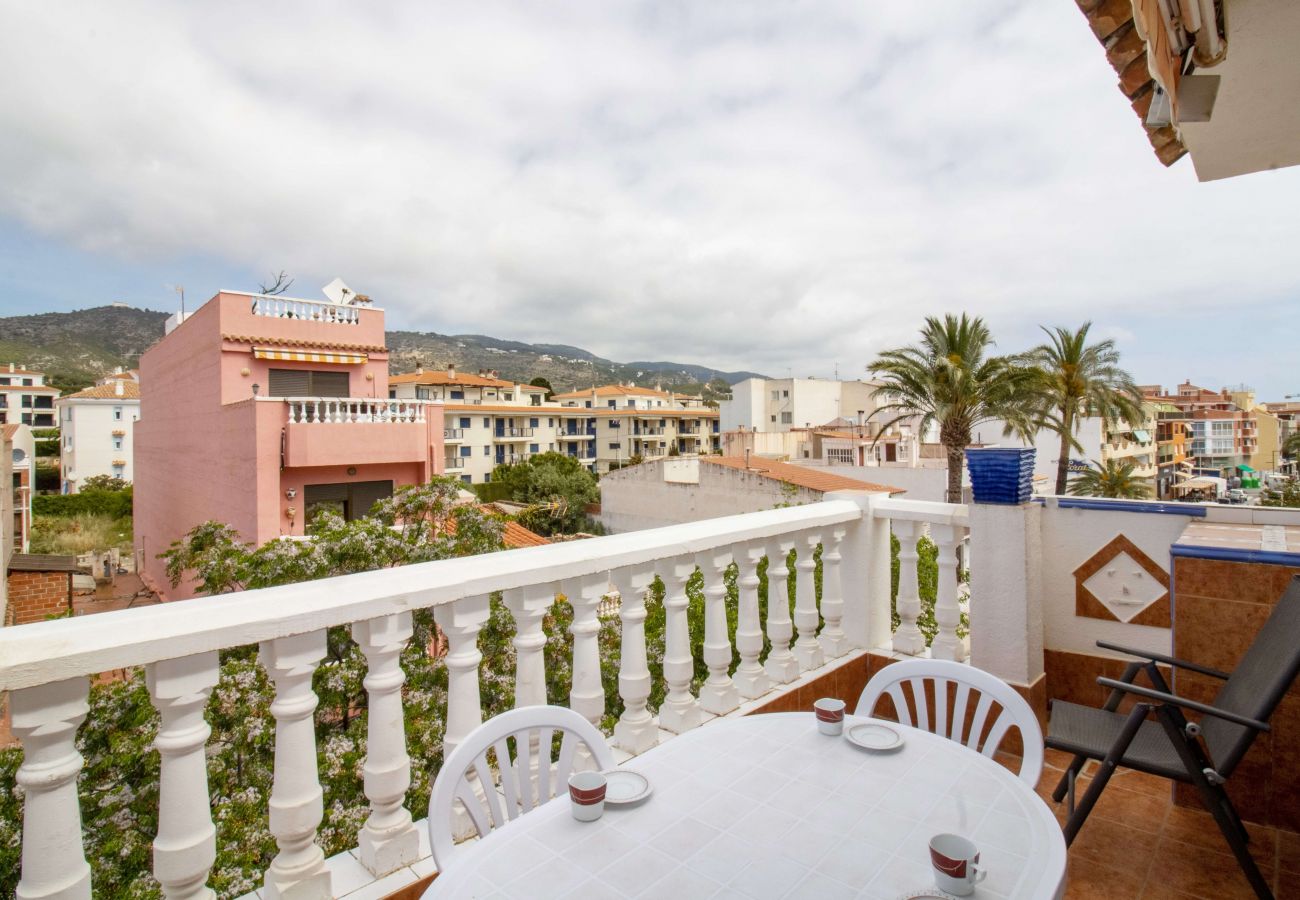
(766, 806)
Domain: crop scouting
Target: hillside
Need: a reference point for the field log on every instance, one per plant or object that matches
(76, 347)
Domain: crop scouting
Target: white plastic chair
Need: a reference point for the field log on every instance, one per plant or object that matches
(940, 674)
(510, 794)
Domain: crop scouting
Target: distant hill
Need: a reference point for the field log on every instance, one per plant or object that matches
(75, 348)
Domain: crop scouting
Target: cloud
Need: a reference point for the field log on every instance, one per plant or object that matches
(754, 186)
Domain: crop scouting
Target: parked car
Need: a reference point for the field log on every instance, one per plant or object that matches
(1235, 495)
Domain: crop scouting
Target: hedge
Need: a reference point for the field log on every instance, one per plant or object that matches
(104, 503)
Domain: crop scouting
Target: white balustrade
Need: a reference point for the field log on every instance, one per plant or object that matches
(947, 612)
(45, 720)
(834, 641)
(389, 839)
(186, 845)
(751, 679)
(313, 310)
(636, 731)
(680, 710)
(587, 692)
(45, 665)
(908, 637)
(718, 694)
(782, 666)
(297, 805)
(354, 411)
(807, 649)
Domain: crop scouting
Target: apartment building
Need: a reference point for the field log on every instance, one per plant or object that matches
(1172, 446)
(1135, 443)
(1287, 413)
(96, 427)
(625, 422)
(450, 386)
(17, 481)
(25, 398)
(1224, 438)
(259, 412)
(780, 404)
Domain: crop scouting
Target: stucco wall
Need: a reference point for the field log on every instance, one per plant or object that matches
(637, 497)
(920, 484)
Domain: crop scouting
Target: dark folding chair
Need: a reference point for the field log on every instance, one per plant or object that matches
(1203, 753)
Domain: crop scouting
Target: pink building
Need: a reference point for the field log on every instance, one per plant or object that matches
(259, 411)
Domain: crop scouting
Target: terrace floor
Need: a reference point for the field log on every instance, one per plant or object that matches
(1138, 844)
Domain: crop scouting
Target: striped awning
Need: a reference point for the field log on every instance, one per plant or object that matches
(312, 356)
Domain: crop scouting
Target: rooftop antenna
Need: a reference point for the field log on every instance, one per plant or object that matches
(179, 289)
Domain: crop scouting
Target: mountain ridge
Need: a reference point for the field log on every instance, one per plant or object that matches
(74, 348)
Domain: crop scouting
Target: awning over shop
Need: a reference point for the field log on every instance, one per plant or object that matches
(314, 356)
(1244, 468)
(1143, 437)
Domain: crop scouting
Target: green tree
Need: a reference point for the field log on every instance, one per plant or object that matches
(543, 383)
(105, 483)
(1289, 495)
(556, 485)
(949, 380)
(1291, 446)
(1079, 380)
(1113, 479)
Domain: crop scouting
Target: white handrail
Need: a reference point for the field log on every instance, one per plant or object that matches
(315, 310)
(326, 410)
(44, 652)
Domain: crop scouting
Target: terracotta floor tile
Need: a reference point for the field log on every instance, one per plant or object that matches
(1288, 851)
(1056, 759)
(1142, 783)
(1287, 886)
(1112, 844)
(1088, 880)
(1126, 807)
(1158, 890)
(1200, 872)
(1196, 827)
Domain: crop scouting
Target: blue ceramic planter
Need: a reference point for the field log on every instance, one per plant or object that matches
(1001, 474)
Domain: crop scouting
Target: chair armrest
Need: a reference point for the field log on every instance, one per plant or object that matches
(1167, 660)
(1152, 694)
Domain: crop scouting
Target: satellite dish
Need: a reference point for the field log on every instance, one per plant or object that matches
(338, 292)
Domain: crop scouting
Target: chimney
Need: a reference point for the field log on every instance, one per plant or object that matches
(746, 457)
(11, 368)
(419, 370)
(117, 370)
(118, 387)
(451, 371)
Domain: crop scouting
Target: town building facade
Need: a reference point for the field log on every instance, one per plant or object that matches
(26, 398)
(259, 411)
(781, 404)
(96, 427)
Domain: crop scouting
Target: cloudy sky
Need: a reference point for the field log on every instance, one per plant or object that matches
(783, 187)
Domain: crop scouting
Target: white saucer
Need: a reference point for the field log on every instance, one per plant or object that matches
(624, 787)
(874, 736)
(926, 894)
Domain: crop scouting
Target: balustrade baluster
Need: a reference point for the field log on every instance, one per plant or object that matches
(750, 678)
(587, 695)
(529, 606)
(636, 730)
(186, 845)
(461, 622)
(718, 694)
(389, 839)
(908, 638)
(833, 639)
(782, 666)
(45, 720)
(318, 412)
(947, 612)
(807, 649)
(680, 710)
(296, 804)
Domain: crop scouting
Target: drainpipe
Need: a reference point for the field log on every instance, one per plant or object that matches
(1201, 20)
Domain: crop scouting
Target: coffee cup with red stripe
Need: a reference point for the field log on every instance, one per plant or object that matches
(830, 715)
(587, 791)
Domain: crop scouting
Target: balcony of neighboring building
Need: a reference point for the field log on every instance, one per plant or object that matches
(353, 431)
(512, 434)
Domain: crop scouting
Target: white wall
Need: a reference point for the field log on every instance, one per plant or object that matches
(1048, 445)
(87, 441)
(745, 407)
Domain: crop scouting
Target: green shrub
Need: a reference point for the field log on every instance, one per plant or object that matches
(82, 533)
(114, 504)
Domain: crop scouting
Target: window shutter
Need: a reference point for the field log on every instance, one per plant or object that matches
(329, 384)
(289, 383)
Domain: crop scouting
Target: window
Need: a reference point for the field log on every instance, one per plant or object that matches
(117, 413)
(351, 500)
(536, 399)
(774, 418)
(507, 395)
(117, 443)
(421, 393)
(614, 445)
(776, 395)
(27, 382)
(458, 395)
(613, 404)
(532, 423)
(550, 423)
(787, 418)
(588, 404)
(840, 455)
(534, 448)
(487, 423)
(631, 404)
(466, 451)
(487, 451)
(67, 441)
(4, 380)
(785, 393)
(464, 421)
(466, 479)
(307, 383)
(27, 401)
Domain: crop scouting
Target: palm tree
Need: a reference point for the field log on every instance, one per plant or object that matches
(1114, 479)
(1079, 381)
(949, 380)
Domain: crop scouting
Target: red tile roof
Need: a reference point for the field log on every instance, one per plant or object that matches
(444, 377)
(801, 476)
(130, 391)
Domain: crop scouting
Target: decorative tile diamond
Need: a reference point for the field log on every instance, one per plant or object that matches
(1124, 587)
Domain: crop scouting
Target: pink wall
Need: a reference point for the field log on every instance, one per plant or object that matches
(206, 450)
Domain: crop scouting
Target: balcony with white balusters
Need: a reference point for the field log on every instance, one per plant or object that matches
(351, 431)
